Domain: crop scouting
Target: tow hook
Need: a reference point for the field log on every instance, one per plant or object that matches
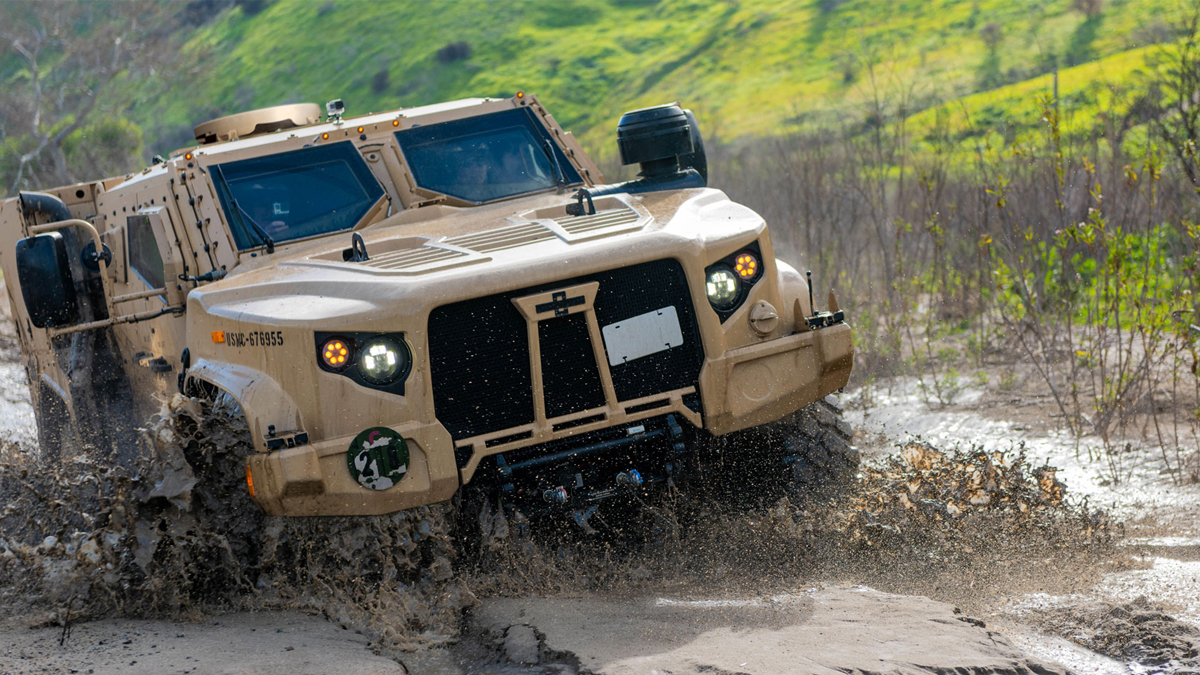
(582, 516)
(556, 495)
(630, 478)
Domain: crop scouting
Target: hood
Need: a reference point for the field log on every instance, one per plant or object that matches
(439, 254)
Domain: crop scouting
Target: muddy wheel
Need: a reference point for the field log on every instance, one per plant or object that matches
(216, 450)
(105, 414)
(806, 455)
(55, 430)
(104, 425)
(820, 458)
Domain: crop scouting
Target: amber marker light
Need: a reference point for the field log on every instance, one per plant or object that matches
(188, 156)
(746, 266)
(520, 95)
(218, 336)
(361, 129)
(395, 123)
(335, 353)
(325, 137)
(249, 480)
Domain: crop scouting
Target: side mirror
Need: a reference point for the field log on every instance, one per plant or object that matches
(44, 273)
(697, 159)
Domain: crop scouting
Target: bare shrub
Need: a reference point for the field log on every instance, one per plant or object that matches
(1090, 8)
(1066, 253)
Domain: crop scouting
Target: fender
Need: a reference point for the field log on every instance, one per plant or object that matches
(792, 289)
(264, 402)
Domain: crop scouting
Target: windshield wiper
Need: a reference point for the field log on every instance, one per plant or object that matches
(224, 186)
(560, 178)
(258, 229)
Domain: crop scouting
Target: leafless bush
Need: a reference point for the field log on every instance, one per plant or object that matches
(1068, 251)
(1090, 8)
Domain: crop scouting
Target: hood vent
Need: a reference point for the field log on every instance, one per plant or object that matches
(601, 220)
(413, 258)
(421, 257)
(499, 239)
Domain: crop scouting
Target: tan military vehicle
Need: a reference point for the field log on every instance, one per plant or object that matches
(408, 302)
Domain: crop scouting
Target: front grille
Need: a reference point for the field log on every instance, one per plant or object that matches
(570, 378)
(479, 351)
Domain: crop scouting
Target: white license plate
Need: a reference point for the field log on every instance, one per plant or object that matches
(642, 335)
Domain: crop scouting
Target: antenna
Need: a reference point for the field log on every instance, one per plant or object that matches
(812, 307)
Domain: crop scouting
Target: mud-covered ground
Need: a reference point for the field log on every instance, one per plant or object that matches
(958, 551)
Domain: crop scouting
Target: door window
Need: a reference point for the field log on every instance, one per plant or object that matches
(145, 258)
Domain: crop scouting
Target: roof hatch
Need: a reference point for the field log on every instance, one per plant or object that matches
(254, 122)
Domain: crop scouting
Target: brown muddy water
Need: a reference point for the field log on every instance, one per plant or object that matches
(1042, 570)
(1138, 609)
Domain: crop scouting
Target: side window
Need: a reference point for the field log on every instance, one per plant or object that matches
(144, 257)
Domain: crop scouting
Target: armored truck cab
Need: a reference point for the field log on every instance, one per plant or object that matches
(408, 302)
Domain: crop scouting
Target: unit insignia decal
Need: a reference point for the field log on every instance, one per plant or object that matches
(378, 458)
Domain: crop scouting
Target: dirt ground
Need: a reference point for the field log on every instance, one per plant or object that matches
(1135, 608)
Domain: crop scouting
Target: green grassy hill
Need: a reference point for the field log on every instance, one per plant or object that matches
(749, 67)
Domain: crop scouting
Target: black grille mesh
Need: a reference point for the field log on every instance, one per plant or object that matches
(570, 378)
(479, 352)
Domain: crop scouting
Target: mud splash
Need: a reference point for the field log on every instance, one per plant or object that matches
(943, 524)
(968, 501)
(179, 536)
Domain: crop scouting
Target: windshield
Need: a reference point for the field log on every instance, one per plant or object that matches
(484, 158)
(296, 194)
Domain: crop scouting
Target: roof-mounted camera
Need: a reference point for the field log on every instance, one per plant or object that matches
(335, 109)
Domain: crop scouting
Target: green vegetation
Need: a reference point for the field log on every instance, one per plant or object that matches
(751, 68)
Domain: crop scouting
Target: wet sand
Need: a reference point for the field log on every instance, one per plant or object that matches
(269, 643)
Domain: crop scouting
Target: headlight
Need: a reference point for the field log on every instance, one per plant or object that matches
(723, 288)
(382, 360)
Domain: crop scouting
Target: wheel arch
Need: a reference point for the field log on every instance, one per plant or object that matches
(263, 400)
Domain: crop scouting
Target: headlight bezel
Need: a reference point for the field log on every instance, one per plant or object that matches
(366, 356)
(357, 341)
(746, 285)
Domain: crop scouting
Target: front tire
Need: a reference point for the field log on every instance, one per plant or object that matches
(820, 458)
(56, 432)
(804, 456)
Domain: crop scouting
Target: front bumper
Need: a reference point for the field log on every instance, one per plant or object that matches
(742, 388)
